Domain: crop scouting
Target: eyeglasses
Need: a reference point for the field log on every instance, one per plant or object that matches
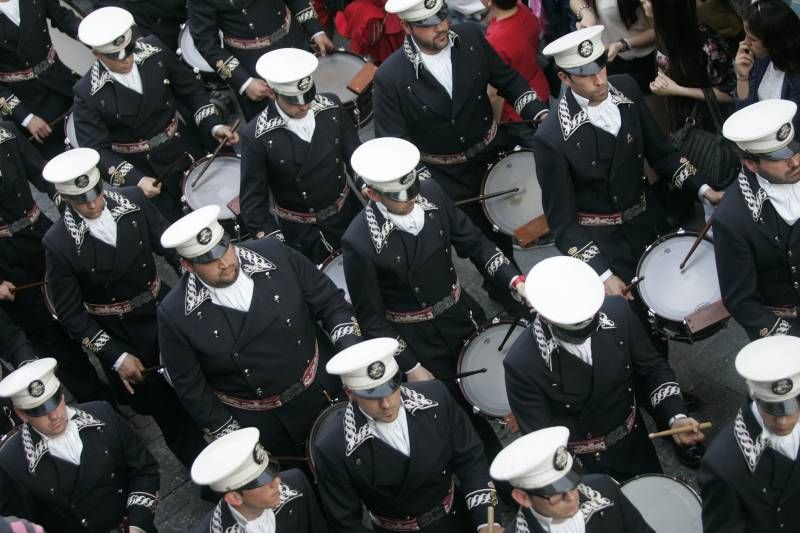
(553, 498)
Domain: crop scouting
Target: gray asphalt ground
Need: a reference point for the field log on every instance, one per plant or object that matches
(704, 368)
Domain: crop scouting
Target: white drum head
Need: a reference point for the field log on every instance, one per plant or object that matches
(673, 293)
(333, 267)
(218, 186)
(190, 54)
(69, 131)
(512, 211)
(334, 73)
(667, 505)
(487, 391)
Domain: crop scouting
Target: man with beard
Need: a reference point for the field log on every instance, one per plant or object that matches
(750, 475)
(757, 250)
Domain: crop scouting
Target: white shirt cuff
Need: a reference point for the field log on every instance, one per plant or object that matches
(605, 275)
(245, 85)
(27, 120)
(413, 368)
(496, 525)
(676, 417)
(702, 191)
(215, 129)
(119, 361)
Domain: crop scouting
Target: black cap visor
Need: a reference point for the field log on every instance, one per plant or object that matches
(92, 194)
(433, 20)
(787, 152)
(406, 195)
(217, 251)
(381, 391)
(577, 334)
(300, 99)
(48, 406)
(784, 408)
(264, 478)
(121, 54)
(563, 484)
(589, 69)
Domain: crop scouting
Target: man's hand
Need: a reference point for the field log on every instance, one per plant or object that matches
(225, 132)
(613, 49)
(148, 186)
(39, 128)
(420, 374)
(520, 288)
(7, 291)
(714, 197)
(258, 90)
(688, 439)
(497, 529)
(130, 371)
(614, 286)
(743, 62)
(323, 43)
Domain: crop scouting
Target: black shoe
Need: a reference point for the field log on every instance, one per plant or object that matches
(693, 403)
(690, 456)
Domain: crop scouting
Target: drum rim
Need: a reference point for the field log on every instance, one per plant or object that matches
(69, 118)
(314, 431)
(475, 334)
(194, 165)
(207, 68)
(673, 478)
(330, 259)
(518, 149)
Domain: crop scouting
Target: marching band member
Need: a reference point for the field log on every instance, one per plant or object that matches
(582, 363)
(82, 468)
(397, 450)
(239, 333)
(297, 151)
(105, 288)
(554, 495)
(757, 253)
(256, 496)
(749, 476)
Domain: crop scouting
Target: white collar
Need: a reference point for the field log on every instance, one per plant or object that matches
(604, 115)
(302, 127)
(11, 10)
(574, 524)
(411, 223)
(785, 198)
(132, 80)
(787, 445)
(103, 227)
(238, 295)
(265, 523)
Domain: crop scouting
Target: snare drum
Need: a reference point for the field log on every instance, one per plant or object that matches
(334, 72)
(70, 137)
(333, 267)
(218, 186)
(332, 416)
(668, 505)
(672, 294)
(516, 170)
(486, 392)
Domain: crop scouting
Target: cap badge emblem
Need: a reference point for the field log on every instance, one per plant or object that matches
(561, 458)
(259, 454)
(204, 237)
(304, 84)
(376, 370)
(119, 40)
(82, 181)
(36, 388)
(782, 386)
(784, 132)
(408, 178)
(429, 4)
(586, 48)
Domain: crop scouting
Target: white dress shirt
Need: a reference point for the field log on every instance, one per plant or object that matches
(263, 524)
(104, 227)
(786, 445)
(394, 433)
(785, 198)
(411, 223)
(441, 66)
(237, 296)
(11, 10)
(67, 446)
(605, 115)
(582, 351)
(771, 85)
(302, 127)
(574, 524)
(132, 80)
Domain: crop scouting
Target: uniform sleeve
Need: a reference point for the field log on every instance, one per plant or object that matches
(738, 282)
(205, 32)
(558, 198)
(316, 522)
(62, 18)
(350, 141)
(190, 383)
(92, 132)
(528, 404)
(64, 288)
(32, 161)
(11, 106)
(254, 185)
(14, 345)
(305, 14)
(722, 509)
(365, 292)
(156, 225)
(190, 91)
(326, 301)
(339, 497)
(389, 121)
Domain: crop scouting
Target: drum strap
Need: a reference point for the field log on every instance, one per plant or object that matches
(427, 313)
(613, 219)
(153, 142)
(28, 220)
(422, 521)
(127, 306)
(30, 73)
(312, 218)
(462, 157)
(276, 400)
(261, 42)
(601, 444)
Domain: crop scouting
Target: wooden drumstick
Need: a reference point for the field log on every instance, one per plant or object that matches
(482, 197)
(490, 518)
(27, 286)
(170, 168)
(696, 242)
(678, 430)
(55, 121)
(216, 151)
(628, 288)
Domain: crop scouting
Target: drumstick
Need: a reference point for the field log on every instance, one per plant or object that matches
(678, 430)
(490, 518)
(216, 151)
(462, 375)
(152, 369)
(56, 120)
(27, 286)
(634, 283)
(508, 334)
(482, 197)
(170, 168)
(696, 242)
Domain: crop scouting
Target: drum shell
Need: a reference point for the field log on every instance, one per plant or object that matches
(334, 269)
(70, 137)
(330, 415)
(358, 106)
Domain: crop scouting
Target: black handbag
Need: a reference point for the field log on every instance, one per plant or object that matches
(711, 153)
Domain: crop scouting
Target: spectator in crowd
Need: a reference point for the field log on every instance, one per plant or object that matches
(371, 30)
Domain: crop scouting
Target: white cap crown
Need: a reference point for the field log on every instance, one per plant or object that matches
(107, 29)
(366, 365)
(564, 290)
(771, 367)
(578, 48)
(762, 127)
(73, 172)
(231, 462)
(288, 70)
(387, 163)
(534, 460)
(194, 234)
(32, 384)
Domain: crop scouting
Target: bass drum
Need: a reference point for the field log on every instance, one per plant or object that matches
(334, 73)
(332, 416)
(333, 267)
(516, 170)
(486, 392)
(219, 186)
(668, 505)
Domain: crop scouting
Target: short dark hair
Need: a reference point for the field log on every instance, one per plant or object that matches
(505, 4)
(778, 27)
